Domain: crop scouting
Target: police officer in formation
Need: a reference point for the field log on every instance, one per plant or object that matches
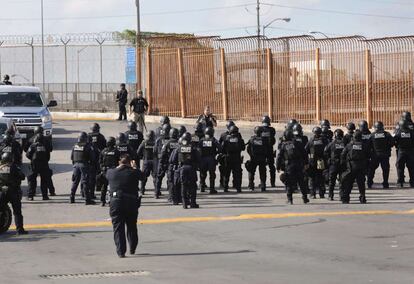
(134, 137)
(258, 150)
(293, 161)
(108, 159)
(161, 167)
(404, 142)
(350, 126)
(269, 137)
(11, 177)
(209, 148)
(220, 157)
(333, 155)
(145, 153)
(166, 151)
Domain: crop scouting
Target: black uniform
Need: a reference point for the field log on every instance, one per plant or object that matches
(10, 191)
(125, 149)
(404, 141)
(209, 148)
(355, 159)
(317, 164)
(269, 136)
(166, 151)
(94, 171)
(348, 137)
(382, 143)
(292, 159)
(98, 140)
(13, 147)
(39, 156)
(122, 99)
(161, 168)
(233, 145)
(333, 155)
(258, 149)
(135, 139)
(146, 153)
(125, 202)
(207, 121)
(108, 159)
(82, 155)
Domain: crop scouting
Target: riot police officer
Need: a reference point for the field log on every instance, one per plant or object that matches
(220, 157)
(11, 177)
(317, 163)
(350, 126)
(161, 168)
(125, 202)
(39, 156)
(108, 159)
(404, 141)
(134, 136)
(164, 120)
(233, 145)
(188, 159)
(326, 130)
(299, 136)
(382, 143)
(258, 149)
(166, 151)
(97, 139)
(269, 137)
(198, 134)
(94, 169)
(333, 155)
(146, 153)
(354, 159)
(81, 157)
(209, 148)
(6, 80)
(10, 145)
(406, 116)
(293, 160)
(123, 147)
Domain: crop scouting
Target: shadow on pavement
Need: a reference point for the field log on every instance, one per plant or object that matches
(193, 253)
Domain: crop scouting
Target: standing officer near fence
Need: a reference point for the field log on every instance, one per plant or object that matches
(122, 99)
(108, 159)
(139, 106)
(125, 202)
(269, 137)
(257, 148)
(209, 148)
(404, 141)
(207, 119)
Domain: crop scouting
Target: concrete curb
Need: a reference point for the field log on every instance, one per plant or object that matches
(111, 116)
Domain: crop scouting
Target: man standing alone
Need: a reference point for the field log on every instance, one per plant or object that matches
(139, 106)
(122, 99)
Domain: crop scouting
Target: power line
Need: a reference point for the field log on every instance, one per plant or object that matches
(340, 12)
(226, 29)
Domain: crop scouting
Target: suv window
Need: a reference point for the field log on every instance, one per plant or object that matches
(20, 99)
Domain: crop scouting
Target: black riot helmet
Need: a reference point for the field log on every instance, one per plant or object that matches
(198, 127)
(38, 130)
(379, 126)
(165, 131)
(6, 158)
(83, 137)
(403, 124)
(209, 131)
(406, 115)
(325, 123)
(164, 120)
(229, 124)
(186, 138)
(363, 125)
(95, 128)
(266, 120)
(258, 131)
(121, 138)
(182, 130)
(39, 138)
(325, 129)
(358, 136)
(297, 130)
(174, 134)
(111, 142)
(291, 123)
(132, 126)
(234, 130)
(288, 134)
(317, 131)
(150, 135)
(339, 133)
(350, 126)
(6, 77)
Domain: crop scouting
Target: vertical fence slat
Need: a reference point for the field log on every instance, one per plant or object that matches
(182, 82)
(318, 85)
(224, 83)
(368, 87)
(270, 82)
(148, 93)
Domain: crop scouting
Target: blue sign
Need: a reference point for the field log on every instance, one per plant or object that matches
(130, 67)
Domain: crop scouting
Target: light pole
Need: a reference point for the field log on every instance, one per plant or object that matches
(33, 62)
(138, 48)
(287, 20)
(1, 43)
(101, 42)
(43, 45)
(75, 99)
(65, 44)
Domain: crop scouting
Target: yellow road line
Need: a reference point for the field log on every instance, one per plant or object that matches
(224, 218)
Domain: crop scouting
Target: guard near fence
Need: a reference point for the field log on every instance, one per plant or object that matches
(138, 107)
(122, 99)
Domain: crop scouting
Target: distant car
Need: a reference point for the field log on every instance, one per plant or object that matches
(26, 107)
(7, 123)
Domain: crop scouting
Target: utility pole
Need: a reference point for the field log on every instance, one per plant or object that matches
(65, 44)
(258, 24)
(259, 57)
(138, 49)
(43, 46)
(33, 60)
(1, 43)
(101, 42)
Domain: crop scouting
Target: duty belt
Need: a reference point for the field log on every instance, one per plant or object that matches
(120, 195)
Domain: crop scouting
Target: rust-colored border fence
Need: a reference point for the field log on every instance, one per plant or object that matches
(340, 79)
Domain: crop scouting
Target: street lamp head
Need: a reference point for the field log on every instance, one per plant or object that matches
(287, 20)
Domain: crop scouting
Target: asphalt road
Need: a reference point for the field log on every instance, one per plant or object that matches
(251, 237)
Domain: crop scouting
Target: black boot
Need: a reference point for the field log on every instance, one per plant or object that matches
(72, 199)
(305, 199)
(362, 199)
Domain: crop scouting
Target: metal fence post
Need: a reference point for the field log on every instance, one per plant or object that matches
(368, 87)
(148, 93)
(65, 44)
(318, 85)
(224, 83)
(182, 82)
(270, 82)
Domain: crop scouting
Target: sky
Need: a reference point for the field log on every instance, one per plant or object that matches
(226, 18)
